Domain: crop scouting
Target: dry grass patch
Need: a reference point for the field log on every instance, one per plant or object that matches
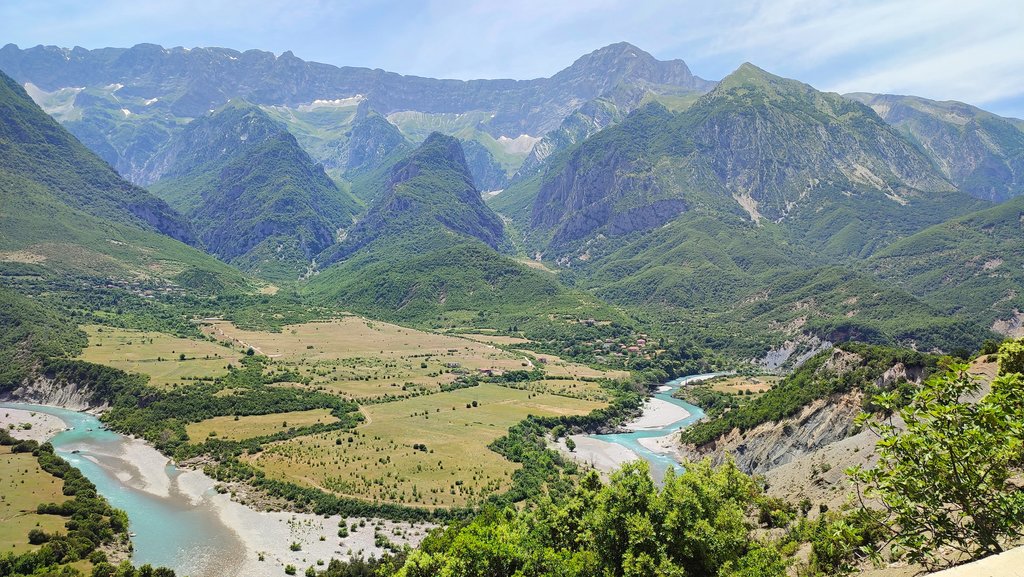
(385, 460)
(587, 390)
(156, 354)
(23, 487)
(740, 384)
(558, 367)
(501, 340)
(239, 428)
(357, 358)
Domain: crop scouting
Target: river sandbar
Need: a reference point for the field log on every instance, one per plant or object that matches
(657, 414)
(601, 455)
(43, 426)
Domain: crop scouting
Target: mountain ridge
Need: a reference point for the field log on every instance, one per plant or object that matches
(256, 197)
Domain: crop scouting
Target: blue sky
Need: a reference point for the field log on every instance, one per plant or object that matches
(943, 49)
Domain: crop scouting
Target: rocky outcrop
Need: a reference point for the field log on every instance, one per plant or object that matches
(770, 445)
(792, 353)
(818, 424)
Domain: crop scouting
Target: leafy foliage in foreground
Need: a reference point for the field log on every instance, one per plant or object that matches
(945, 478)
(696, 525)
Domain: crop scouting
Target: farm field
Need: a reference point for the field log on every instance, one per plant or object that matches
(739, 384)
(24, 486)
(580, 389)
(361, 359)
(502, 340)
(558, 367)
(385, 459)
(156, 354)
(237, 429)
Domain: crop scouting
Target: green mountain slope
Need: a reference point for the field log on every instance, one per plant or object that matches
(734, 214)
(983, 154)
(973, 265)
(35, 147)
(431, 189)
(425, 253)
(750, 290)
(829, 170)
(29, 332)
(63, 210)
(256, 198)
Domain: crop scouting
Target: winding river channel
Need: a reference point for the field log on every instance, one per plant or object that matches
(169, 527)
(661, 462)
(173, 514)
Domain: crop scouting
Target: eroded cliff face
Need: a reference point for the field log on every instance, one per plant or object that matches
(771, 445)
(46, 391)
(819, 424)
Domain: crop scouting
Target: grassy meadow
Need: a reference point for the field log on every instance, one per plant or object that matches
(385, 460)
(738, 385)
(24, 486)
(420, 444)
(248, 427)
(156, 354)
(360, 359)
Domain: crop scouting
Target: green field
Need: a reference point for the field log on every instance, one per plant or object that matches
(361, 359)
(24, 486)
(238, 428)
(157, 354)
(380, 462)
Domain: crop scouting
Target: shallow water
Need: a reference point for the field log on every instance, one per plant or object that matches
(660, 463)
(169, 531)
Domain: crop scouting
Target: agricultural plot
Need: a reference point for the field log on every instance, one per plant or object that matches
(502, 340)
(428, 451)
(558, 367)
(157, 354)
(363, 360)
(739, 385)
(23, 487)
(588, 390)
(239, 428)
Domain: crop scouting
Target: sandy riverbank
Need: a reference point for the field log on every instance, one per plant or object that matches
(657, 414)
(42, 426)
(601, 455)
(138, 465)
(663, 445)
(272, 533)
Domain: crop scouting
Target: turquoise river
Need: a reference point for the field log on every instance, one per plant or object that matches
(175, 531)
(170, 531)
(631, 440)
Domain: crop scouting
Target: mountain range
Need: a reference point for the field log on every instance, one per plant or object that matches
(756, 208)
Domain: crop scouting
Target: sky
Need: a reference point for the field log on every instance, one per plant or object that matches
(967, 50)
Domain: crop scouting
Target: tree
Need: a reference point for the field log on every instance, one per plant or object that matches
(1011, 357)
(944, 477)
(570, 444)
